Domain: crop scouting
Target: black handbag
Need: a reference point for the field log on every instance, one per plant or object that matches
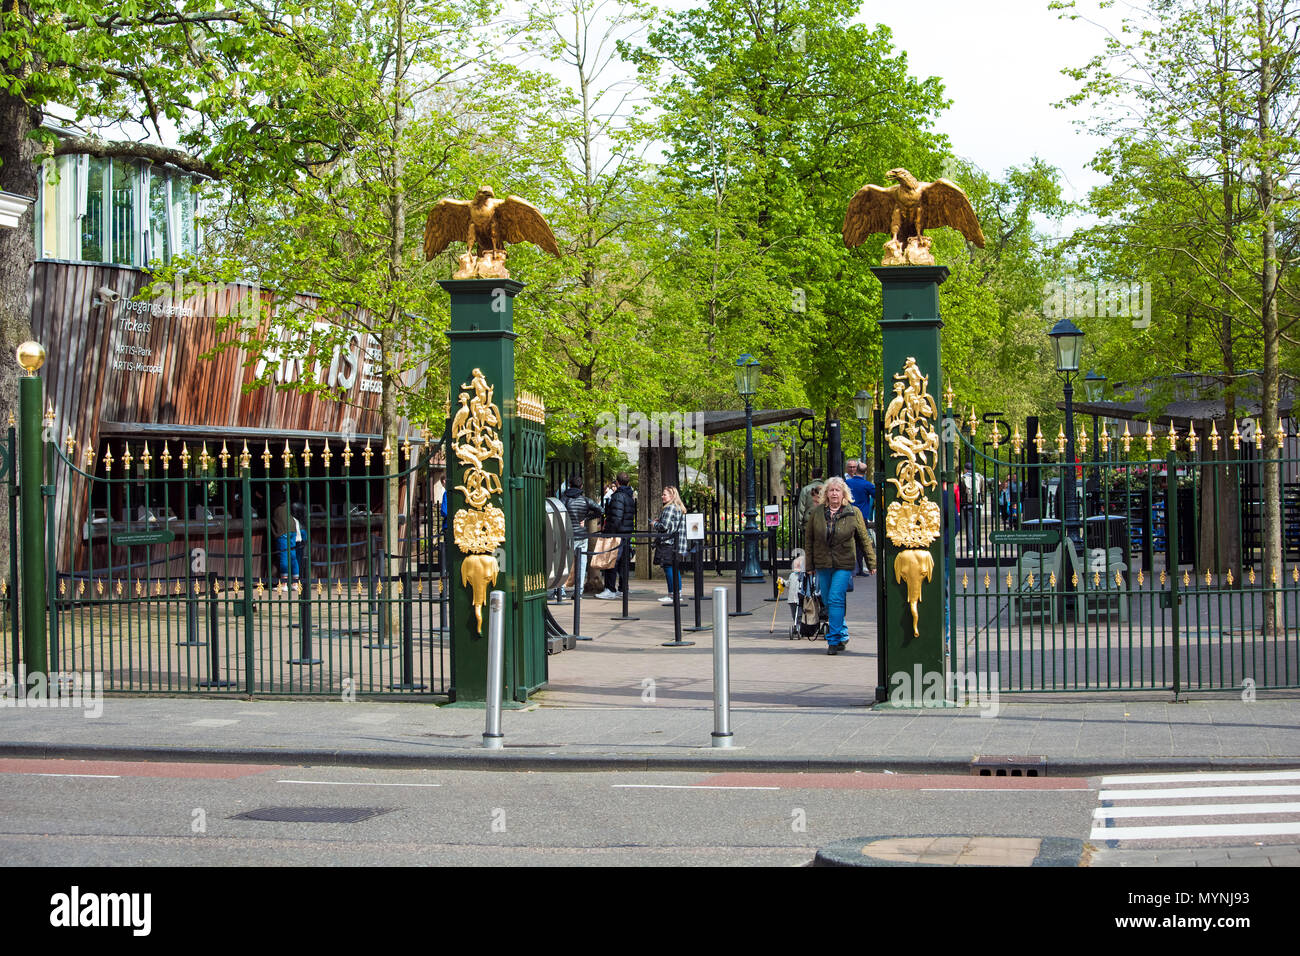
(665, 547)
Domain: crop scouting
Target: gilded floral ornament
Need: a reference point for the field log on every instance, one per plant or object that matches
(479, 529)
(912, 520)
(911, 524)
(479, 532)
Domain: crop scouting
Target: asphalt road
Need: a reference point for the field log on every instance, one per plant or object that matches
(79, 813)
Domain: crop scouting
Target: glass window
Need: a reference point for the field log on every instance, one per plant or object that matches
(123, 176)
(105, 210)
(160, 188)
(184, 197)
(91, 224)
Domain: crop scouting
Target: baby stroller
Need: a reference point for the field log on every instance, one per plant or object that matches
(807, 610)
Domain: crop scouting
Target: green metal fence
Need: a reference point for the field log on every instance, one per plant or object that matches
(172, 569)
(1157, 576)
(10, 634)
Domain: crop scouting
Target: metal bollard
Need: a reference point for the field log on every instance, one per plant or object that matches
(740, 564)
(771, 551)
(677, 609)
(580, 581)
(699, 588)
(722, 736)
(304, 625)
(492, 736)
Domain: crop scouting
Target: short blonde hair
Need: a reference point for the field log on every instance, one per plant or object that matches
(837, 482)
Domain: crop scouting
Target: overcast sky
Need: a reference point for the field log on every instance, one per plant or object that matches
(1001, 66)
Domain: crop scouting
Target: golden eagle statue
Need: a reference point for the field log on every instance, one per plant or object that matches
(485, 223)
(905, 211)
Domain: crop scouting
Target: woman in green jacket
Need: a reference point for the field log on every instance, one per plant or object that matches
(828, 534)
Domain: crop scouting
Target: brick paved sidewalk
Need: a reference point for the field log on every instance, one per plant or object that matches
(625, 659)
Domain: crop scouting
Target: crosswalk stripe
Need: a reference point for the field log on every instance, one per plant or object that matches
(1203, 830)
(1195, 810)
(1148, 778)
(1179, 793)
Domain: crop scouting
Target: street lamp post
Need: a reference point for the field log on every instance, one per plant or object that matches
(1067, 342)
(862, 403)
(747, 370)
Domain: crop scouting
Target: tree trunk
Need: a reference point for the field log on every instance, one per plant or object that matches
(18, 174)
(1228, 527)
(1272, 488)
(388, 399)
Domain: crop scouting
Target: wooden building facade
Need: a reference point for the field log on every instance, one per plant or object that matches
(145, 378)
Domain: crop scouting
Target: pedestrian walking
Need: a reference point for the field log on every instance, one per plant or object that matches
(620, 519)
(580, 510)
(829, 536)
(805, 503)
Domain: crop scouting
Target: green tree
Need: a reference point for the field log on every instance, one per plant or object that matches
(425, 112)
(1200, 104)
(185, 74)
(588, 342)
(774, 114)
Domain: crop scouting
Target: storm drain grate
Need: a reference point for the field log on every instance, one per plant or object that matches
(1006, 766)
(311, 814)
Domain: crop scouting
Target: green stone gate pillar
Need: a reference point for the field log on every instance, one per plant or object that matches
(912, 671)
(31, 489)
(479, 500)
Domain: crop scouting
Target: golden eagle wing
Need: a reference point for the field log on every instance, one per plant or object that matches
(448, 222)
(943, 203)
(871, 210)
(521, 221)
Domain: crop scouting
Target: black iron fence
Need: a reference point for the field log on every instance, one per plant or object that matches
(299, 571)
(1131, 571)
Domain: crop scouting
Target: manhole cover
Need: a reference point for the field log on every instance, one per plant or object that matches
(311, 814)
(951, 849)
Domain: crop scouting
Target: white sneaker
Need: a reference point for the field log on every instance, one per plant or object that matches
(607, 595)
(666, 599)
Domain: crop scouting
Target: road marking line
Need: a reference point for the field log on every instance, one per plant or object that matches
(1204, 830)
(1179, 792)
(682, 786)
(1201, 777)
(1200, 810)
(358, 783)
(1000, 789)
(102, 776)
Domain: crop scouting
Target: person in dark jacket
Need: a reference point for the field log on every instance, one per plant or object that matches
(580, 509)
(620, 519)
(829, 535)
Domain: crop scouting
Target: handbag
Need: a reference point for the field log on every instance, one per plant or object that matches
(606, 557)
(665, 552)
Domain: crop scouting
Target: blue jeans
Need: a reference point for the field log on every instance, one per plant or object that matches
(288, 550)
(674, 576)
(833, 586)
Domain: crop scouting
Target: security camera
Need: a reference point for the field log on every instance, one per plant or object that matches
(107, 294)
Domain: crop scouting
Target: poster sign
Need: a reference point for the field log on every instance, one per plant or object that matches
(695, 527)
(772, 516)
